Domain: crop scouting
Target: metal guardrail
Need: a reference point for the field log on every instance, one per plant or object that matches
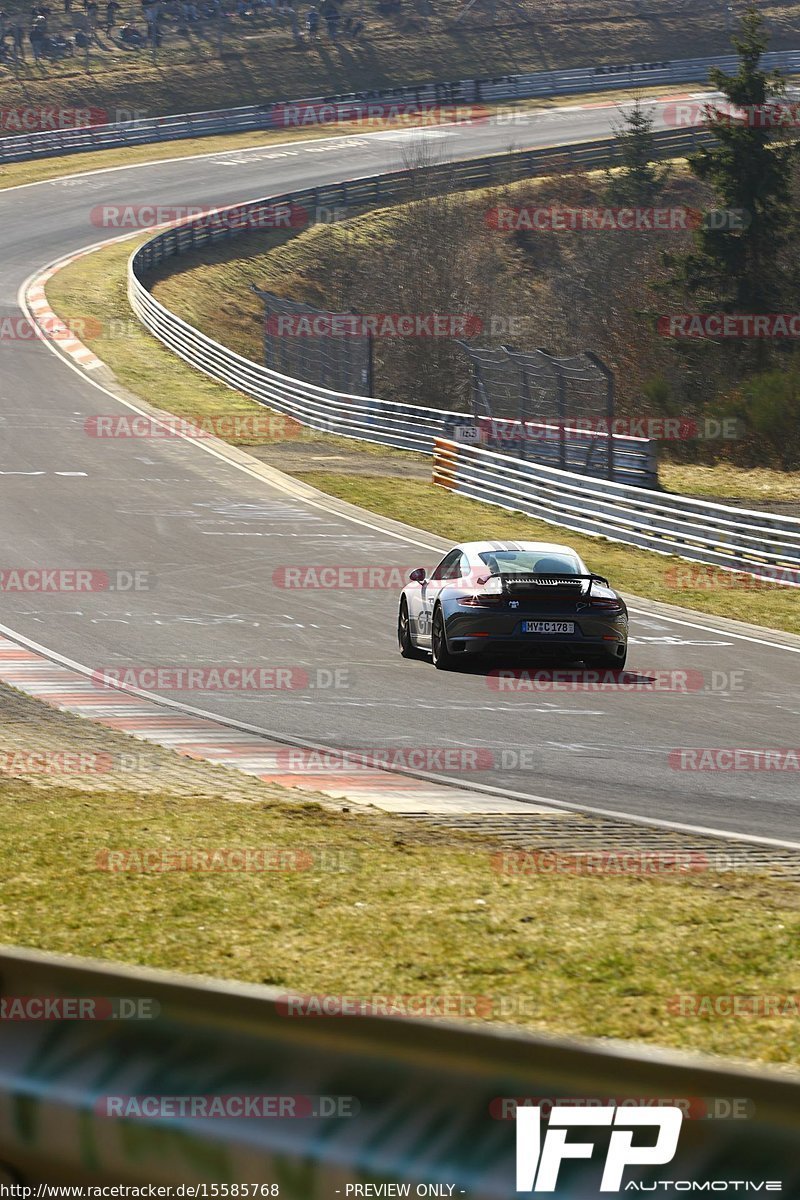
(760, 544)
(406, 426)
(405, 1079)
(632, 459)
(319, 109)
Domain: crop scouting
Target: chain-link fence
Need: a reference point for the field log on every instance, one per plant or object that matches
(332, 350)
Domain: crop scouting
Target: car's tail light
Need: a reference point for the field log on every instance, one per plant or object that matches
(480, 601)
(491, 594)
(607, 603)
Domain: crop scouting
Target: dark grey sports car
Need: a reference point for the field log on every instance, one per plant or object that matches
(512, 600)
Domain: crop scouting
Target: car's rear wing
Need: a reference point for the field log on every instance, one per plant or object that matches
(535, 583)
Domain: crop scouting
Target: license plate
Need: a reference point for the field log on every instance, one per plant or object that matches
(548, 626)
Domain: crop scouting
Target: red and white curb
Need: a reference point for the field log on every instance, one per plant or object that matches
(51, 326)
(198, 737)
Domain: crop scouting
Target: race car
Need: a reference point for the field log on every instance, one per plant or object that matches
(511, 600)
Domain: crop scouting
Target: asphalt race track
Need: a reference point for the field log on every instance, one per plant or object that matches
(213, 536)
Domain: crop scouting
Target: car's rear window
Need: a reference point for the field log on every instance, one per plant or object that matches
(523, 562)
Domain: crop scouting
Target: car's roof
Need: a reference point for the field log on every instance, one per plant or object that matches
(535, 547)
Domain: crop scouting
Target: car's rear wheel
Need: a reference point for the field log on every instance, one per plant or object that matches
(443, 660)
(407, 647)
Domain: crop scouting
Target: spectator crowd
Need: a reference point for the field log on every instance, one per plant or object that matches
(43, 34)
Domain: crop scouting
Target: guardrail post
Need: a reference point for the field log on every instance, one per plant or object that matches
(651, 468)
(561, 407)
(445, 463)
(608, 374)
(369, 372)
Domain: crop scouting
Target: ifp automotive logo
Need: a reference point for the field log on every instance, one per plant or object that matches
(539, 1160)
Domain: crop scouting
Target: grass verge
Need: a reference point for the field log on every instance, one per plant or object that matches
(94, 286)
(754, 485)
(570, 955)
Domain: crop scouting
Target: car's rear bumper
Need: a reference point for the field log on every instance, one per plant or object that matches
(501, 633)
(532, 647)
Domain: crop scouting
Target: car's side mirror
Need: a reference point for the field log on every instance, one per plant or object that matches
(418, 576)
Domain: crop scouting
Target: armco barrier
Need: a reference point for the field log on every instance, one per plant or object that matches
(323, 109)
(421, 1101)
(407, 426)
(761, 544)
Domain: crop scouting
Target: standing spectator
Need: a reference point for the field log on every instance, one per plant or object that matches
(294, 24)
(312, 24)
(151, 10)
(19, 40)
(36, 36)
(112, 8)
(289, 13)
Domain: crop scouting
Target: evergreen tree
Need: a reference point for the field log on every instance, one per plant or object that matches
(739, 268)
(637, 179)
